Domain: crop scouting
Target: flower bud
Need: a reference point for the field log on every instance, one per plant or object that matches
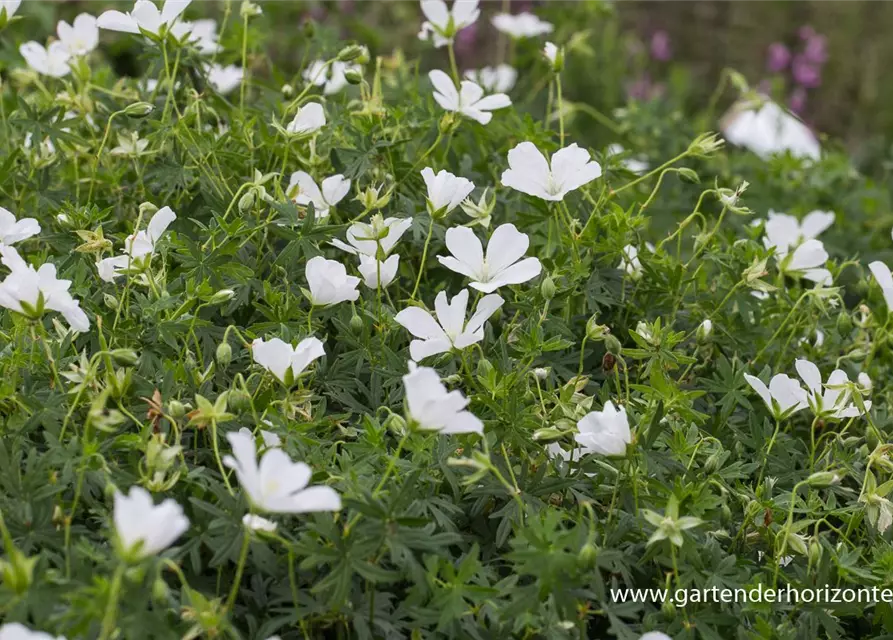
(147, 209)
(247, 201)
(612, 344)
(395, 424)
(541, 373)
(124, 356)
(353, 76)
(222, 296)
(844, 324)
(249, 9)
(594, 330)
(176, 409)
(705, 329)
(356, 323)
(287, 91)
(548, 434)
(588, 555)
(160, 591)
(110, 301)
(815, 553)
(309, 28)
(865, 382)
(224, 354)
(239, 400)
(822, 479)
(138, 109)
(351, 52)
(547, 288)
(17, 570)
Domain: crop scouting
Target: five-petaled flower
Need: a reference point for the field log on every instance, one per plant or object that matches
(374, 239)
(308, 120)
(784, 232)
(144, 17)
(277, 485)
(285, 361)
(139, 247)
(828, 400)
(224, 79)
(12, 230)
(784, 395)
(768, 129)
(449, 330)
(498, 79)
(305, 191)
(329, 283)
(430, 407)
(529, 172)
(145, 529)
(521, 25)
(49, 61)
(445, 191)
(443, 23)
(469, 99)
(81, 36)
(605, 432)
(500, 266)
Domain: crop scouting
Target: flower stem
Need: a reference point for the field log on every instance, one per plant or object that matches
(418, 279)
(560, 109)
(240, 568)
(111, 608)
(453, 67)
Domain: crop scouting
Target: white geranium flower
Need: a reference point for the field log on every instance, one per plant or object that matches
(502, 264)
(145, 529)
(630, 164)
(655, 635)
(270, 439)
(806, 261)
(31, 292)
(498, 79)
(864, 381)
(277, 485)
(203, 34)
(521, 25)
(445, 191)
(378, 274)
(330, 77)
(449, 330)
(768, 129)
(258, 523)
(309, 119)
(784, 232)
(376, 238)
(14, 630)
(529, 172)
(469, 100)
(430, 407)
(8, 8)
(139, 247)
(144, 17)
(329, 283)
(784, 395)
(12, 230)
(334, 188)
(443, 23)
(81, 36)
(884, 278)
(629, 261)
(130, 145)
(49, 61)
(605, 432)
(828, 400)
(285, 361)
(225, 79)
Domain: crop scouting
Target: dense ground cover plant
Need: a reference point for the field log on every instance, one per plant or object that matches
(368, 350)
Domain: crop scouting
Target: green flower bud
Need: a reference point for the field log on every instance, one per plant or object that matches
(247, 201)
(705, 329)
(224, 354)
(239, 400)
(547, 288)
(222, 296)
(160, 591)
(395, 424)
(353, 76)
(176, 409)
(309, 29)
(17, 570)
(147, 210)
(613, 345)
(688, 175)
(594, 330)
(110, 301)
(356, 323)
(822, 479)
(815, 553)
(588, 555)
(844, 324)
(125, 356)
(351, 52)
(138, 109)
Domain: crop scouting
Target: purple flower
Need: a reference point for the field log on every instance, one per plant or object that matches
(660, 46)
(806, 32)
(778, 57)
(816, 50)
(806, 73)
(465, 40)
(797, 101)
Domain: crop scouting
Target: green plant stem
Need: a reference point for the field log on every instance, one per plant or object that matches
(240, 568)
(418, 279)
(111, 608)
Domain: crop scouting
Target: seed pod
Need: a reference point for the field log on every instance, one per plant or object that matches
(547, 288)
(608, 362)
(224, 354)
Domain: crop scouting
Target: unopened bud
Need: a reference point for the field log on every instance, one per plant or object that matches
(844, 324)
(704, 330)
(356, 323)
(138, 109)
(238, 400)
(147, 209)
(110, 301)
(822, 479)
(176, 409)
(247, 201)
(688, 175)
(353, 76)
(224, 354)
(547, 288)
(351, 52)
(124, 356)
(224, 295)
(588, 555)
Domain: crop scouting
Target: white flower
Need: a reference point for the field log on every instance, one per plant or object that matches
(630, 164)
(270, 439)
(277, 485)
(449, 330)
(445, 191)
(469, 100)
(502, 264)
(629, 261)
(784, 395)
(529, 172)
(555, 450)
(551, 54)
(864, 381)
(309, 119)
(144, 16)
(137, 245)
(285, 361)
(655, 635)
(705, 329)
(50, 61)
(81, 36)
(884, 278)
(806, 261)
(522, 25)
(644, 330)
(334, 188)
(14, 630)
(605, 432)
(432, 408)
(145, 529)
(377, 238)
(769, 129)
(498, 79)
(372, 270)
(203, 34)
(9, 8)
(30, 292)
(784, 232)
(130, 145)
(329, 283)
(831, 399)
(443, 24)
(258, 523)
(329, 76)
(225, 79)
(12, 231)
